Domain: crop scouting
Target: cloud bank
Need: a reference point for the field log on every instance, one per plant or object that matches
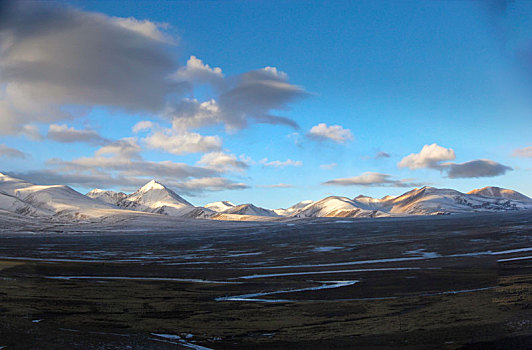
(52, 56)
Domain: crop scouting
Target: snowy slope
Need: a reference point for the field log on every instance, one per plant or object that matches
(110, 197)
(498, 192)
(335, 206)
(250, 209)
(10, 184)
(58, 198)
(45, 200)
(154, 197)
(370, 203)
(430, 200)
(293, 209)
(220, 206)
(15, 205)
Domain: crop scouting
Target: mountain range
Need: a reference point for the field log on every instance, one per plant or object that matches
(62, 202)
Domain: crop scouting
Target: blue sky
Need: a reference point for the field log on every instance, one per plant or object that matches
(389, 77)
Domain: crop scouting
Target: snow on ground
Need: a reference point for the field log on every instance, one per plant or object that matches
(176, 339)
(253, 296)
(325, 249)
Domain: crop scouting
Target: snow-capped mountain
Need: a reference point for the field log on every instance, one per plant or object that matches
(155, 197)
(498, 192)
(429, 201)
(62, 202)
(45, 200)
(419, 201)
(110, 197)
(220, 207)
(335, 206)
(369, 202)
(58, 198)
(10, 184)
(250, 209)
(293, 209)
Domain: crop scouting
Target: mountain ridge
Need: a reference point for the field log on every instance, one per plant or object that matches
(24, 198)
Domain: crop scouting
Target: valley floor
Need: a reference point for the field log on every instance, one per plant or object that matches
(440, 282)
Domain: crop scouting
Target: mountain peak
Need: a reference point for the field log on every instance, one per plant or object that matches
(220, 206)
(498, 192)
(155, 195)
(152, 185)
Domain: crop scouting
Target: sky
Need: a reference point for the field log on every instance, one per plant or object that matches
(267, 102)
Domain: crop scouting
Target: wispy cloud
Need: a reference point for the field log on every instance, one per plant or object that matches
(281, 164)
(279, 185)
(372, 179)
(209, 184)
(12, 153)
(65, 134)
(328, 166)
(523, 152)
(382, 155)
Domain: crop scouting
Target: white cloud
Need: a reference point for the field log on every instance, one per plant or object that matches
(146, 28)
(523, 152)
(372, 179)
(222, 162)
(430, 156)
(65, 134)
(328, 166)
(183, 143)
(196, 71)
(192, 114)
(9, 152)
(143, 125)
(281, 164)
(335, 133)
